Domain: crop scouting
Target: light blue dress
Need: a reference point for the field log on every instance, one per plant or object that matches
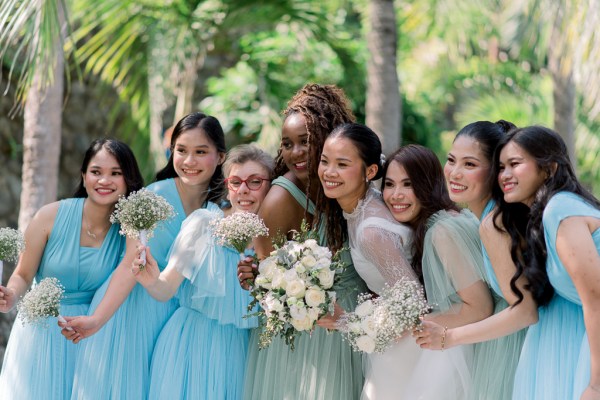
(115, 362)
(39, 363)
(561, 206)
(495, 361)
(551, 350)
(201, 351)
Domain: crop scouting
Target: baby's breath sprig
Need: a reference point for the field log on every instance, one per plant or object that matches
(12, 243)
(238, 229)
(139, 214)
(41, 302)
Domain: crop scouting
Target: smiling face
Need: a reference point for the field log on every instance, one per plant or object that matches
(398, 194)
(103, 179)
(520, 176)
(467, 173)
(342, 172)
(244, 199)
(195, 158)
(294, 146)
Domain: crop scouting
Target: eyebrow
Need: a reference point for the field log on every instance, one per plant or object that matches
(98, 166)
(195, 147)
(465, 158)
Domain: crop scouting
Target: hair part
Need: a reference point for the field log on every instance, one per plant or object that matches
(244, 153)
(125, 158)
(214, 132)
(429, 185)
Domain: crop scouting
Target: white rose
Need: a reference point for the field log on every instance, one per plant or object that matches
(291, 301)
(326, 277)
(311, 244)
(309, 261)
(278, 280)
(277, 306)
(322, 263)
(267, 266)
(368, 326)
(364, 309)
(313, 313)
(365, 344)
(299, 267)
(303, 324)
(290, 275)
(263, 282)
(354, 327)
(314, 297)
(297, 311)
(295, 288)
(322, 253)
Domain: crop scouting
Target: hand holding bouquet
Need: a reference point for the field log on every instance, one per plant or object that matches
(294, 287)
(139, 214)
(377, 323)
(238, 229)
(42, 301)
(12, 244)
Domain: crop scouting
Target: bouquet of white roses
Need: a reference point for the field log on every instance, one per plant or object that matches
(377, 323)
(139, 214)
(12, 244)
(294, 287)
(238, 229)
(42, 301)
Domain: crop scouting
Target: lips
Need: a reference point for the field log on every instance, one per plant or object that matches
(400, 207)
(104, 191)
(300, 165)
(331, 185)
(191, 171)
(455, 187)
(508, 186)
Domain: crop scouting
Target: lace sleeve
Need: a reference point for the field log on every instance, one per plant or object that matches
(385, 249)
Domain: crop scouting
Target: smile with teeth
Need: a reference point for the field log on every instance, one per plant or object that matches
(191, 171)
(245, 202)
(400, 207)
(330, 184)
(104, 191)
(456, 186)
(507, 186)
(300, 164)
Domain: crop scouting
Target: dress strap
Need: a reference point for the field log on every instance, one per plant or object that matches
(296, 193)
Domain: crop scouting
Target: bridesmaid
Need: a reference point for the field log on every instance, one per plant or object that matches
(74, 241)
(115, 363)
(447, 257)
(322, 366)
(201, 351)
(468, 172)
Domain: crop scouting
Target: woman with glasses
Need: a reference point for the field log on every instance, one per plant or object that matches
(201, 351)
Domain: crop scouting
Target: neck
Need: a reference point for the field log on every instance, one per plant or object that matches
(478, 207)
(348, 203)
(97, 214)
(192, 197)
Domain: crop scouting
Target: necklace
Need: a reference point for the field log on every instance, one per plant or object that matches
(88, 230)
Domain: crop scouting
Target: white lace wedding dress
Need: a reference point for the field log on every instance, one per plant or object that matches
(381, 248)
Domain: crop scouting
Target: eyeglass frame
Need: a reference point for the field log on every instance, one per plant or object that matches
(227, 181)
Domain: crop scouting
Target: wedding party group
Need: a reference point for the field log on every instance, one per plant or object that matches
(331, 271)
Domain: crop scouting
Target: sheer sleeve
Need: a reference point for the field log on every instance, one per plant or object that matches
(196, 256)
(385, 249)
(452, 257)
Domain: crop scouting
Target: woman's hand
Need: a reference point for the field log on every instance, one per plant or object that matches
(432, 336)
(246, 271)
(330, 321)
(7, 299)
(83, 327)
(146, 274)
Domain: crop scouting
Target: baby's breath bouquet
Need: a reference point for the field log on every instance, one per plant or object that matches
(294, 287)
(12, 243)
(139, 214)
(377, 323)
(238, 229)
(41, 302)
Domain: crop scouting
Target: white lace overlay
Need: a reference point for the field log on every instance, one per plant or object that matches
(380, 246)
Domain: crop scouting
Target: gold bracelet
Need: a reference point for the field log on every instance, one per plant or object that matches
(444, 337)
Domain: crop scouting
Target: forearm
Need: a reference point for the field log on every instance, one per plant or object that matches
(506, 322)
(165, 287)
(592, 323)
(454, 318)
(18, 285)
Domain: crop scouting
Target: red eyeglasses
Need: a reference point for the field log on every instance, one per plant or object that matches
(253, 182)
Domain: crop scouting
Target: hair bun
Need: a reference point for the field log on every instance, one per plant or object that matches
(505, 125)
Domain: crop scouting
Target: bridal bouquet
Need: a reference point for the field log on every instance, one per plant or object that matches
(139, 214)
(12, 244)
(238, 229)
(294, 287)
(42, 301)
(377, 323)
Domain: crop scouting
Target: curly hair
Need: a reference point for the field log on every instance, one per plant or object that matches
(323, 107)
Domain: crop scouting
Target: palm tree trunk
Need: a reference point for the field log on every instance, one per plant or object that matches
(383, 106)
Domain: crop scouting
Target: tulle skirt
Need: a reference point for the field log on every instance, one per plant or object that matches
(582, 374)
(495, 363)
(115, 362)
(322, 367)
(550, 353)
(197, 358)
(39, 363)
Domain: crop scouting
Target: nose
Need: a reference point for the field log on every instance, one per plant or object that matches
(455, 172)
(398, 194)
(243, 188)
(504, 175)
(298, 149)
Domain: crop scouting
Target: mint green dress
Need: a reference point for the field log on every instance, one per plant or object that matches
(495, 361)
(322, 366)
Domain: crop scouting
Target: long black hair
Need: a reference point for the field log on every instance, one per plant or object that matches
(213, 130)
(528, 249)
(125, 158)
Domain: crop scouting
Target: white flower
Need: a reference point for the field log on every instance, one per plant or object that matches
(303, 324)
(238, 229)
(354, 327)
(313, 313)
(365, 344)
(314, 297)
(297, 311)
(308, 261)
(141, 211)
(326, 277)
(300, 269)
(290, 275)
(278, 279)
(272, 304)
(263, 281)
(295, 288)
(369, 327)
(12, 243)
(41, 301)
(311, 244)
(364, 309)
(267, 267)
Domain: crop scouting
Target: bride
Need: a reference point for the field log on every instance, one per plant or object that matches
(383, 251)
